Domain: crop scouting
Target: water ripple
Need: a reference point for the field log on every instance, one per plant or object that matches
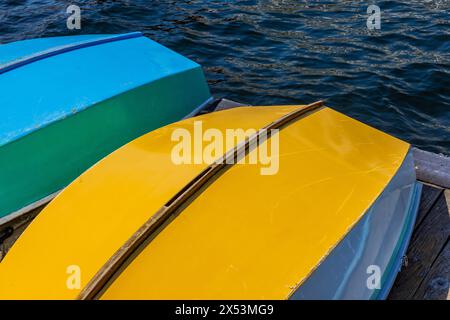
(289, 51)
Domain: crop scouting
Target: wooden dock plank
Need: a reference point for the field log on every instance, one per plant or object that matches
(429, 196)
(432, 168)
(435, 286)
(427, 243)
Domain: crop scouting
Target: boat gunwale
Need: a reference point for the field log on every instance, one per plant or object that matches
(349, 230)
(389, 275)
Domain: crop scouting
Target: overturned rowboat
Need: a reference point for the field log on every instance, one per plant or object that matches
(67, 102)
(331, 218)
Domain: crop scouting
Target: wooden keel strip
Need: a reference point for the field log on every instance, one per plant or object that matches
(111, 268)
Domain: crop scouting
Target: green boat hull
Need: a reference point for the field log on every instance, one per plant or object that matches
(46, 160)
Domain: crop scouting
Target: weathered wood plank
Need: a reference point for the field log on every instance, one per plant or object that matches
(432, 168)
(436, 284)
(429, 196)
(427, 242)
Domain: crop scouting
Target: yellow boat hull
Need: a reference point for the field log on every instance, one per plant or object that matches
(245, 236)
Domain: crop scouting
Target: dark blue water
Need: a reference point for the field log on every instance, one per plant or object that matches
(288, 51)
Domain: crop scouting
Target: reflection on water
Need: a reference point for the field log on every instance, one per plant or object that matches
(288, 51)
